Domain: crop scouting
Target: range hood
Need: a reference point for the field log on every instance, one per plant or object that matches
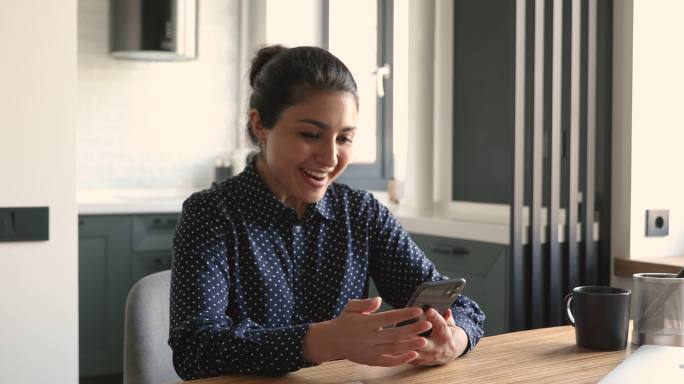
(154, 29)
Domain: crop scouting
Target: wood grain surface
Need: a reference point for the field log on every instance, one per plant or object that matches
(628, 267)
(546, 355)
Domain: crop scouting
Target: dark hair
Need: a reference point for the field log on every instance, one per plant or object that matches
(281, 77)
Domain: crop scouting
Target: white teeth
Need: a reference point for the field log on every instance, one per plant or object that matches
(317, 175)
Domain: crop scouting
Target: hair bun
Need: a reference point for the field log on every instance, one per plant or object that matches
(263, 56)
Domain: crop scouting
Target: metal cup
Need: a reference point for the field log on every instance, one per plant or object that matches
(659, 309)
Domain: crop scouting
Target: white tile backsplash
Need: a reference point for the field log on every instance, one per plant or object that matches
(156, 125)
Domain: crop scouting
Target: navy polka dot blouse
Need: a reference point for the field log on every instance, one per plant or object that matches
(248, 276)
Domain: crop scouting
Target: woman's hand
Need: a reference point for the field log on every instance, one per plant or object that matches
(447, 341)
(358, 334)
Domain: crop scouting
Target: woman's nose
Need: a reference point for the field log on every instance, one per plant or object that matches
(327, 154)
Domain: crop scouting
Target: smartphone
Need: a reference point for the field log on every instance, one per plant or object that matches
(439, 295)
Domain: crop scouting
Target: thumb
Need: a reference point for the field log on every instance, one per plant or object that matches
(363, 305)
(449, 317)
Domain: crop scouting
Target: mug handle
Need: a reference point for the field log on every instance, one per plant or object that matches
(568, 309)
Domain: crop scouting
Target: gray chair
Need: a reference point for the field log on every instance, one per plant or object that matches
(147, 355)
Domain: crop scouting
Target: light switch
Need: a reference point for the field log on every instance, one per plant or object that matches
(24, 224)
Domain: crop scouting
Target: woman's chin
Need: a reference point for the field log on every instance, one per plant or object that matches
(312, 195)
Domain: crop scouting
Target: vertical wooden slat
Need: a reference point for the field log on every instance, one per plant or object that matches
(555, 270)
(518, 275)
(571, 237)
(588, 224)
(538, 272)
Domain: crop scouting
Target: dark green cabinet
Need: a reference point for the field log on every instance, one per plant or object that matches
(152, 237)
(115, 251)
(483, 265)
(103, 280)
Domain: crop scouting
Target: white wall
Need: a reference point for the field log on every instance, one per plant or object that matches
(294, 22)
(657, 124)
(145, 124)
(38, 280)
(648, 123)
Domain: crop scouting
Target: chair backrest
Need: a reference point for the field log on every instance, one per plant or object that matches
(147, 355)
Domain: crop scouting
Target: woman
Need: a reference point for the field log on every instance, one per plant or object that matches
(270, 269)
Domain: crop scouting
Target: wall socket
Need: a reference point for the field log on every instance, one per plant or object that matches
(657, 222)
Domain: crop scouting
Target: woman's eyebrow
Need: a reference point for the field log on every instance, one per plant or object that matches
(323, 125)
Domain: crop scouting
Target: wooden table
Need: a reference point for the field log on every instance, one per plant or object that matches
(546, 355)
(628, 267)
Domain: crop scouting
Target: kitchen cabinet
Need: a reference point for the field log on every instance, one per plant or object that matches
(103, 278)
(151, 242)
(483, 265)
(115, 251)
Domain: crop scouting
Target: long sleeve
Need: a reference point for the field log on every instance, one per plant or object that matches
(205, 340)
(398, 266)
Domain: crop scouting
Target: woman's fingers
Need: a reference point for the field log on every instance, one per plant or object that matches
(395, 360)
(364, 306)
(388, 335)
(440, 328)
(449, 317)
(402, 346)
(358, 334)
(395, 316)
(437, 347)
(446, 341)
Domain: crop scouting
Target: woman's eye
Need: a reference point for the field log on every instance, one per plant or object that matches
(308, 135)
(344, 139)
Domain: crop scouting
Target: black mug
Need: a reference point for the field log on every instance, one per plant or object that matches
(600, 316)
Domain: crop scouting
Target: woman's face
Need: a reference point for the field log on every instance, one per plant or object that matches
(308, 147)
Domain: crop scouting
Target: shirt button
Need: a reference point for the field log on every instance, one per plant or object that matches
(297, 228)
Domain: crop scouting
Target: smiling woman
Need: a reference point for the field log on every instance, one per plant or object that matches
(271, 267)
(303, 123)
(309, 146)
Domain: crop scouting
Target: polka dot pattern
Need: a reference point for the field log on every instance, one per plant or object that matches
(249, 276)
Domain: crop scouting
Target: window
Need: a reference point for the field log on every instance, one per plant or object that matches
(350, 24)
(359, 32)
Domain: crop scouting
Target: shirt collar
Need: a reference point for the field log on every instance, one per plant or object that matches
(325, 206)
(261, 196)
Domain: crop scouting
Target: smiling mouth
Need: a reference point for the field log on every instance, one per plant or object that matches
(318, 176)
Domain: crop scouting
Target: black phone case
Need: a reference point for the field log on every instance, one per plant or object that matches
(439, 295)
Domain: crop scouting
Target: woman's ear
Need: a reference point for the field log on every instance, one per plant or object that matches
(257, 127)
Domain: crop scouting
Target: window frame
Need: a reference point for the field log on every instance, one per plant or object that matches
(374, 176)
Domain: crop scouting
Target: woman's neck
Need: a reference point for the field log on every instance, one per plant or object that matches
(277, 189)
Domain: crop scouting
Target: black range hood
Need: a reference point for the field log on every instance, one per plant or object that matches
(154, 29)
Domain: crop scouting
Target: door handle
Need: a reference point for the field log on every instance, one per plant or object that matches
(381, 74)
(449, 251)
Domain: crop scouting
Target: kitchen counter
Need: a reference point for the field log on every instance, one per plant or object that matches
(484, 226)
(462, 220)
(130, 201)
